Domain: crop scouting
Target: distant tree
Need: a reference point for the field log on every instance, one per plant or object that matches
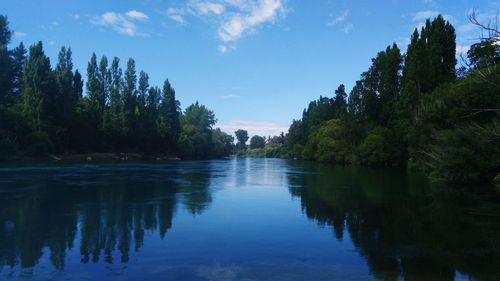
(195, 140)
(257, 142)
(242, 137)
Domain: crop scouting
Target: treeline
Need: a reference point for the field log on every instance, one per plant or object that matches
(413, 109)
(44, 110)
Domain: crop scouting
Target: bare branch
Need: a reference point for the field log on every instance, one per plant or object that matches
(491, 27)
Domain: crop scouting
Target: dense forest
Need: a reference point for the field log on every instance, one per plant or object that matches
(413, 109)
(44, 110)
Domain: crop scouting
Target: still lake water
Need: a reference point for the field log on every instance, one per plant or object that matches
(241, 219)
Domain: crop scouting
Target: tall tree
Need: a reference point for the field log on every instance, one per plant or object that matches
(93, 92)
(340, 100)
(5, 59)
(36, 80)
(18, 60)
(5, 32)
(130, 95)
(143, 90)
(114, 117)
(66, 95)
(104, 80)
(170, 114)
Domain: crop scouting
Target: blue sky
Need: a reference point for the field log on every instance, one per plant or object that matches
(256, 63)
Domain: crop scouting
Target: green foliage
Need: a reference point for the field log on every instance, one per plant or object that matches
(197, 139)
(222, 144)
(242, 137)
(380, 147)
(257, 142)
(331, 145)
(467, 154)
(269, 151)
(484, 54)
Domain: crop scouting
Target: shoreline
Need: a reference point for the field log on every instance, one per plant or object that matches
(92, 157)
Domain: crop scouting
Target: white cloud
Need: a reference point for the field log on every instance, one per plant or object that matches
(122, 24)
(254, 127)
(228, 97)
(338, 19)
(205, 8)
(348, 28)
(424, 15)
(222, 49)
(176, 15)
(52, 43)
(19, 35)
(235, 18)
(249, 19)
(134, 14)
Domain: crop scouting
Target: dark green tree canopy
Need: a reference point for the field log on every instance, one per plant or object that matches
(257, 142)
(242, 137)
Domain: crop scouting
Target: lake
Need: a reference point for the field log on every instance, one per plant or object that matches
(241, 219)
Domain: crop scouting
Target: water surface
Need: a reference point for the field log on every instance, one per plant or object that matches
(241, 219)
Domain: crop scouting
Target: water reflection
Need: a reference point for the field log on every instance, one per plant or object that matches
(110, 208)
(233, 220)
(403, 227)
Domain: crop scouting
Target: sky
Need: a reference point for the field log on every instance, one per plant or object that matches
(256, 63)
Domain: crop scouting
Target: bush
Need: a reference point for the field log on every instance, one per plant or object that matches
(380, 147)
(469, 154)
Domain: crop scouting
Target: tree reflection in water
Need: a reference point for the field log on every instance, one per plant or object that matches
(110, 214)
(403, 226)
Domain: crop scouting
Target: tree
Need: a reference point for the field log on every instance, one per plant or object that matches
(5, 33)
(130, 96)
(18, 60)
(143, 90)
(195, 140)
(222, 144)
(242, 137)
(36, 85)
(64, 77)
(93, 92)
(257, 142)
(5, 59)
(104, 79)
(169, 110)
(340, 101)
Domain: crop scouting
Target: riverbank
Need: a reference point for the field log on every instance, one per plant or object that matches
(89, 157)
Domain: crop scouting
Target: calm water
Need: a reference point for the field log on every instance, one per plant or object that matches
(246, 219)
